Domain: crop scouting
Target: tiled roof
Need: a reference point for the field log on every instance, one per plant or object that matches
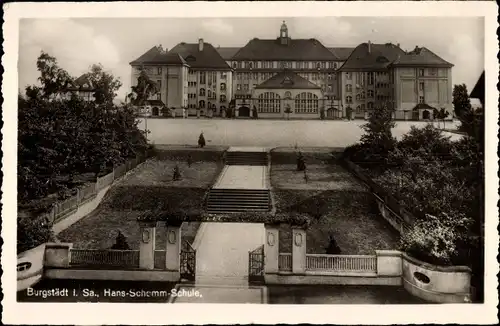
(372, 56)
(478, 91)
(421, 56)
(341, 53)
(82, 83)
(227, 53)
(296, 49)
(207, 58)
(156, 55)
(287, 79)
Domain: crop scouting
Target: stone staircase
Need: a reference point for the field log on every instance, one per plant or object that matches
(246, 158)
(238, 200)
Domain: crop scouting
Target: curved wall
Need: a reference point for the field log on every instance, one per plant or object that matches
(436, 283)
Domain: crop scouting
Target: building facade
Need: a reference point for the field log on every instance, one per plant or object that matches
(297, 78)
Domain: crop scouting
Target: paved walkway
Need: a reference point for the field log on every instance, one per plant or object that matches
(222, 252)
(242, 177)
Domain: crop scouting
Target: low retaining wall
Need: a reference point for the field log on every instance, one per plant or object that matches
(393, 268)
(436, 283)
(112, 275)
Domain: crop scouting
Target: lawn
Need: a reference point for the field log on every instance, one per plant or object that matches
(147, 187)
(341, 207)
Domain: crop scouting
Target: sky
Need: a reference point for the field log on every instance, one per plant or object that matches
(79, 43)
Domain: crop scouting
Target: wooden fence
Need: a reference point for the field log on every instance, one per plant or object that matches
(62, 209)
(104, 258)
(341, 263)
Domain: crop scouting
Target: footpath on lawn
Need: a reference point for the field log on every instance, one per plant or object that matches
(144, 189)
(342, 207)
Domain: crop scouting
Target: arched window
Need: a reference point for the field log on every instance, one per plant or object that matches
(370, 93)
(358, 109)
(370, 105)
(358, 97)
(223, 86)
(209, 93)
(348, 88)
(202, 92)
(306, 103)
(348, 99)
(288, 95)
(269, 103)
(223, 98)
(202, 104)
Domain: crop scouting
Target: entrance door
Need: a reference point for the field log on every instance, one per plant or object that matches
(156, 111)
(256, 265)
(244, 111)
(426, 115)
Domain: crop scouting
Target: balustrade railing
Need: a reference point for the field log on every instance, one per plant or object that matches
(285, 262)
(105, 258)
(354, 263)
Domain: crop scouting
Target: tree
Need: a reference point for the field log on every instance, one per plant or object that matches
(144, 89)
(461, 101)
(201, 140)
(32, 231)
(54, 79)
(333, 248)
(255, 114)
(104, 83)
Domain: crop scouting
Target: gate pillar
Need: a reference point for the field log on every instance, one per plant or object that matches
(147, 244)
(173, 248)
(298, 251)
(271, 249)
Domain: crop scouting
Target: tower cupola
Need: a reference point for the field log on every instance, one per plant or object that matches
(284, 34)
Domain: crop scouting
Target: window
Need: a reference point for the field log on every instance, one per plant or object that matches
(158, 84)
(318, 65)
(23, 266)
(348, 75)
(370, 93)
(238, 87)
(202, 92)
(421, 86)
(223, 75)
(255, 75)
(334, 65)
(202, 77)
(234, 64)
(433, 71)
(269, 103)
(421, 99)
(348, 88)
(223, 98)
(158, 70)
(329, 76)
(314, 76)
(223, 86)
(330, 65)
(209, 93)
(329, 88)
(323, 65)
(250, 65)
(288, 95)
(299, 65)
(202, 104)
(306, 103)
(245, 87)
(348, 99)
(370, 105)
(421, 72)
(358, 97)
(370, 78)
(358, 109)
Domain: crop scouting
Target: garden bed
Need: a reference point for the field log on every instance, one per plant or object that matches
(340, 206)
(148, 188)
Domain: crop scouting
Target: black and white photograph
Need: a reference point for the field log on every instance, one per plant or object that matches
(317, 157)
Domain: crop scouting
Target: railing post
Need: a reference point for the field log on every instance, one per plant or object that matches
(147, 244)
(173, 248)
(271, 249)
(298, 251)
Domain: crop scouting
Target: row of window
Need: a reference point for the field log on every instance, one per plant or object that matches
(284, 65)
(267, 75)
(210, 95)
(270, 102)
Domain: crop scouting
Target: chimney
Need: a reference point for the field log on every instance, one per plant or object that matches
(200, 44)
(369, 47)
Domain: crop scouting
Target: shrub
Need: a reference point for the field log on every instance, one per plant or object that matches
(32, 231)
(120, 242)
(333, 248)
(177, 173)
(301, 162)
(201, 141)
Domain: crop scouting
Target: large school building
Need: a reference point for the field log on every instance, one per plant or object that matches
(296, 78)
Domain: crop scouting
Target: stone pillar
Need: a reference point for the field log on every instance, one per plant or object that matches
(173, 248)
(298, 251)
(271, 249)
(389, 263)
(236, 112)
(147, 244)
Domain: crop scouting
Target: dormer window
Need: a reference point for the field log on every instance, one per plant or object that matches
(234, 65)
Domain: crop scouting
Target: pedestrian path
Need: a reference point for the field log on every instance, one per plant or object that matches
(242, 177)
(222, 252)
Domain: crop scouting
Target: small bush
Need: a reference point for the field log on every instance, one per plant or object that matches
(120, 242)
(201, 141)
(333, 248)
